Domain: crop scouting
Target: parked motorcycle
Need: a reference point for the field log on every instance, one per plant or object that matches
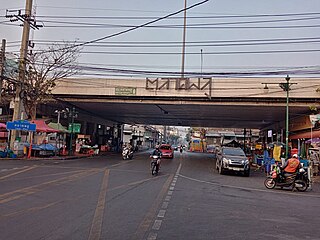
(299, 180)
(127, 153)
(155, 164)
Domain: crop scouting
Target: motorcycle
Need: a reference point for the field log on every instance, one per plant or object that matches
(299, 180)
(155, 164)
(127, 153)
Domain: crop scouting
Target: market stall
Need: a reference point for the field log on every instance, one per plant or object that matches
(58, 139)
(3, 140)
(40, 144)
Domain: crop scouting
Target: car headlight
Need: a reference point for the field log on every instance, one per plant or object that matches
(226, 160)
(245, 162)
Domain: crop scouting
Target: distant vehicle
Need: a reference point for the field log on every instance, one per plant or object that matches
(127, 153)
(166, 150)
(174, 147)
(211, 148)
(232, 159)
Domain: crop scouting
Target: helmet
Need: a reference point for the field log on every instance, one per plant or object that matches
(295, 155)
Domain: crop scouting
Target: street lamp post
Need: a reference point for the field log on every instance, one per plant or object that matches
(285, 87)
(59, 114)
(184, 38)
(71, 114)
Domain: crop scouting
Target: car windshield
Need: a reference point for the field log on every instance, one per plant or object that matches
(165, 147)
(233, 151)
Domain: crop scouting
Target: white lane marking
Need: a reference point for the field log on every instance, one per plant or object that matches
(157, 224)
(249, 189)
(161, 213)
(165, 205)
(152, 236)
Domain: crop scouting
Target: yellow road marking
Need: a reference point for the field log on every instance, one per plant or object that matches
(37, 208)
(10, 196)
(48, 175)
(30, 209)
(15, 173)
(96, 226)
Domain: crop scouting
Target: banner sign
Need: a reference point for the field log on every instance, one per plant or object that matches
(125, 91)
(21, 125)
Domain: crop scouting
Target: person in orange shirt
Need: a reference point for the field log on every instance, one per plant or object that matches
(291, 166)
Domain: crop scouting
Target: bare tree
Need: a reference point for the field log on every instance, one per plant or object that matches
(9, 80)
(44, 68)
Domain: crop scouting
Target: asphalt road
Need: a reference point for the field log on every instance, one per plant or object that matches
(108, 198)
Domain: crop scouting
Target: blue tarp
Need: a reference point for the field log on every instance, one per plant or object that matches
(46, 147)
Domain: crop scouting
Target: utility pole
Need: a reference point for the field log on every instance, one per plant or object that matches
(2, 62)
(22, 68)
(184, 38)
(286, 87)
(71, 114)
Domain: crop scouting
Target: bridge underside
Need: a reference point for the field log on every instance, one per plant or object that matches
(222, 113)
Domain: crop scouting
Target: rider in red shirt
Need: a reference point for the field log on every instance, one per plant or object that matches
(291, 166)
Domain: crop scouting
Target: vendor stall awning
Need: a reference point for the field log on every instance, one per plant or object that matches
(305, 135)
(59, 127)
(41, 126)
(3, 134)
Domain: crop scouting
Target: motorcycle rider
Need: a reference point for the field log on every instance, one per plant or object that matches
(291, 166)
(157, 152)
(129, 149)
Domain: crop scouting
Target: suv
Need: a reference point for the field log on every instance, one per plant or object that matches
(232, 159)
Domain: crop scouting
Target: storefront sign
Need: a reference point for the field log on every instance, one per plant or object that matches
(125, 91)
(179, 84)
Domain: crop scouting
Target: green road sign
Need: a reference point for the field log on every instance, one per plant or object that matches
(74, 128)
(125, 91)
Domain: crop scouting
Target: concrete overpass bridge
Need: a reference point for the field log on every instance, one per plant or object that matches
(206, 102)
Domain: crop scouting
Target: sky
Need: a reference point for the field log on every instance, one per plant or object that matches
(224, 38)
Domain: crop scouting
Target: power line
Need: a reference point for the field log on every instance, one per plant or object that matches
(119, 45)
(177, 17)
(39, 41)
(207, 53)
(90, 24)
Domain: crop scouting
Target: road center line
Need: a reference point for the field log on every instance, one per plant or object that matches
(146, 222)
(249, 189)
(10, 196)
(15, 173)
(157, 223)
(96, 226)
